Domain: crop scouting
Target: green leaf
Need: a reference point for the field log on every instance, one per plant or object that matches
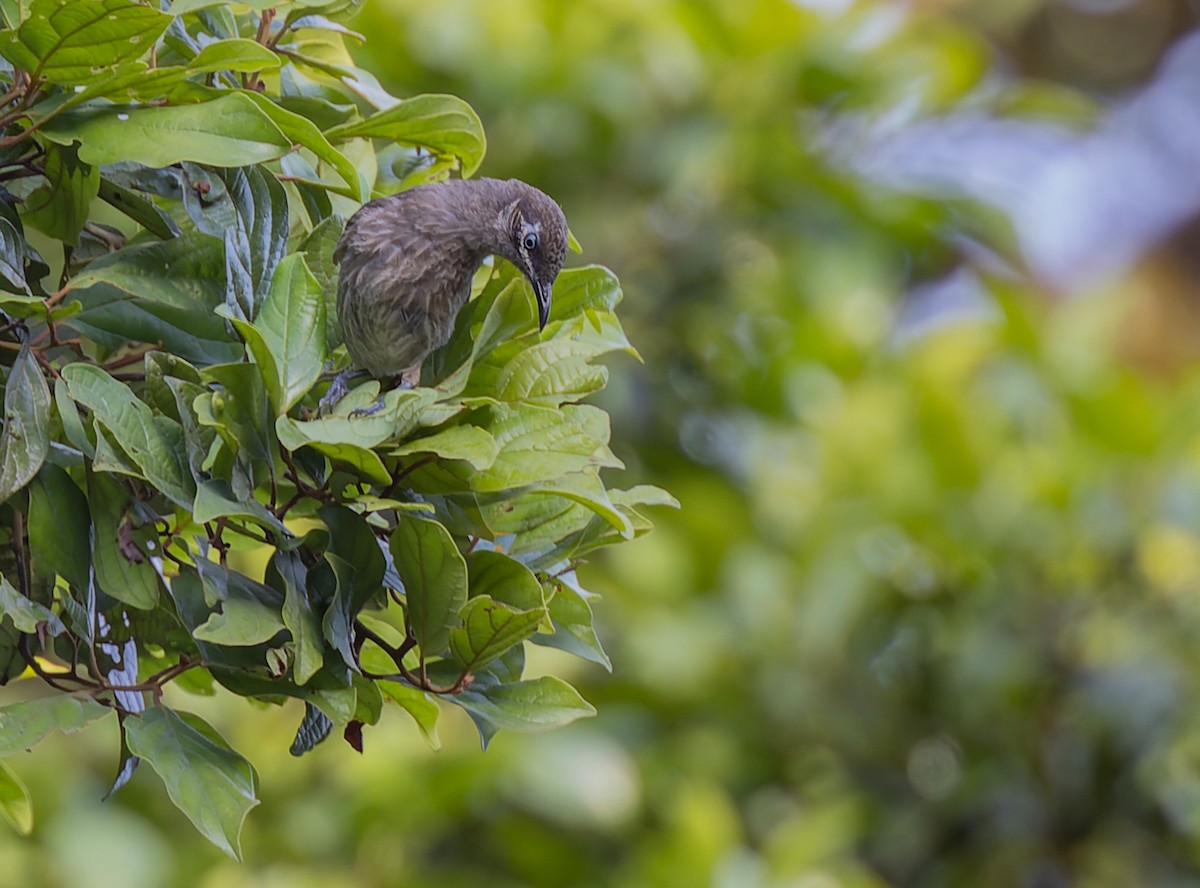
(352, 540)
(138, 208)
(443, 124)
(15, 803)
(489, 629)
(466, 442)
(154, 443)
(287, 339)
(227, 131)
(299, 617)
(25, 441)
(215, 499)
(25, 614)
(315, 727)
(237, 54)
(70, 42)
(304, 132)
(257, 241)
(401, 411)
(208, 781)
(572, 617)
(241, 622)
(60, 207)
(538, 704)
(123, 569)
(504, 579)
(435, 579)
(59, 527)
(73, 428)
(318, 250)
(24, 724)
(538, 444)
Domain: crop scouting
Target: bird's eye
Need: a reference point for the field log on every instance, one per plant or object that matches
(530, 242)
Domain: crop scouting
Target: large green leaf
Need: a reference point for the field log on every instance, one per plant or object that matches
(469, 443)
(25, 440)
(205, 778)
(571, 614)
(158, 292)
(287, 339)
(435, 579)
(24, 724)
(15, 804)
(535, 705)
(228, 131)
(504, 579)
(241, 622)
(154, 443)
(443, 124)
(69, 41)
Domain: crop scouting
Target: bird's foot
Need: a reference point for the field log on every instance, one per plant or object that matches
(369, 411)
(338, 389)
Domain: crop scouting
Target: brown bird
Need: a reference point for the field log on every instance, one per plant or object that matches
(407, 263)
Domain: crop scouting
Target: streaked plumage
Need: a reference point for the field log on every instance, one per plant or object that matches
(407, 263)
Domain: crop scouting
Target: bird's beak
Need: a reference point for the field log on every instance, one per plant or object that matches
(542, 294)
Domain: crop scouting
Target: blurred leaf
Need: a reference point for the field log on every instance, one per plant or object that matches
(15, 803)
(25, 441)
(435, 579)
(208, 781)
(70, 42)
(23, 724)
(419, 704)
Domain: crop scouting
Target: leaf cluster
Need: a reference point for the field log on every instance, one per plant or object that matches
(187, 172)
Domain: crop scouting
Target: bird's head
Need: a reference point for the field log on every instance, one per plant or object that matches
(537, 241)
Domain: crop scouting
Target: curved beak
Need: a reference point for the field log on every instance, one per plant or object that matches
(542, 293)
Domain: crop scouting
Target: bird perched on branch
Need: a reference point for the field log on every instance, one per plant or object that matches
(407, 263)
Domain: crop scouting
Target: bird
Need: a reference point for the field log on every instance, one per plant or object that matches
(407, 261)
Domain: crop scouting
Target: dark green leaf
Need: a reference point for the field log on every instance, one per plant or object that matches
(138, 208)
(59, 527)
(313, 729)
(300, 617)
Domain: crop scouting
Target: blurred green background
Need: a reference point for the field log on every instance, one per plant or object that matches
(916, 289)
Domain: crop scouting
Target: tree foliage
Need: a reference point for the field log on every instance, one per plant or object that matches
(174, 184)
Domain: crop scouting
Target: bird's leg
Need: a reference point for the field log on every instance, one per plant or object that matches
(406, 380)
(337, 390)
